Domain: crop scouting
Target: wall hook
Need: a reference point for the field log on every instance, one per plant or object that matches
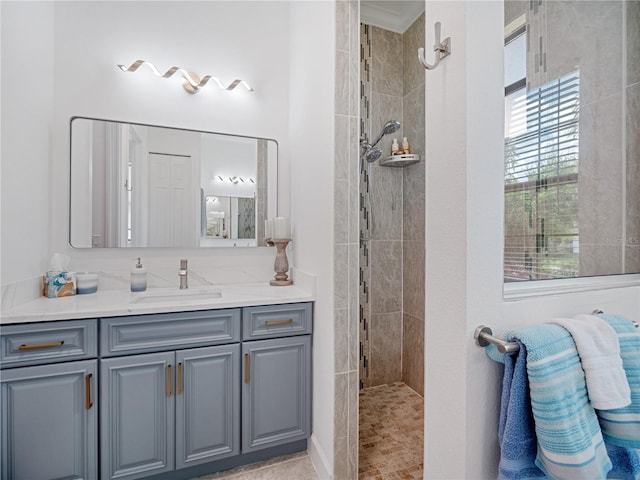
(442, 49)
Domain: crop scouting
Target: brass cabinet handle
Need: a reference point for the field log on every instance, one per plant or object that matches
(41, 345)
(168, 380)
(278, 322)
(87, 390)
(179, 378)
(246, 368)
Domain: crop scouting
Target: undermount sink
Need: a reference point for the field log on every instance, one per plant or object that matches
(174, 295)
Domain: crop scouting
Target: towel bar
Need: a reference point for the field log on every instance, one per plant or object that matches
(483, 336)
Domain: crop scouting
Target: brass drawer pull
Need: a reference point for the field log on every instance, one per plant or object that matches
(41, 345)
(168, 380)
(180, 378)
(87, 390)
(246, 368)
(278, 322)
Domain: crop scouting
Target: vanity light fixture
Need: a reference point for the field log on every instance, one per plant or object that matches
(192, 83)
(234, 179)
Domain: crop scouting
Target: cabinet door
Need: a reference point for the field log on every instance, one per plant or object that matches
(137, 415)
(49, 422)
(276, 401)
(207, 404)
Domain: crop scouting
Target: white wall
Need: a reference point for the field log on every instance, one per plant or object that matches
(27, 111)
(311, 109)
(55, 70)
(464, 215)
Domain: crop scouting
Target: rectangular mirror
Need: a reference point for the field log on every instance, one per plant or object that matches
(136, 185)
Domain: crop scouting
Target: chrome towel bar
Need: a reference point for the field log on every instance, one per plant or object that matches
(483, 336)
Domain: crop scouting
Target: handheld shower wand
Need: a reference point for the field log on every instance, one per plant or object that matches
(369, 151)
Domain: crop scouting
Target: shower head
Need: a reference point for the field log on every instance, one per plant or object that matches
(372, 154)
(389, 128)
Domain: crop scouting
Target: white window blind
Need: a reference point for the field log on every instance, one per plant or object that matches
(541, 181)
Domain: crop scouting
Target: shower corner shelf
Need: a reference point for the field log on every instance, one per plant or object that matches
(400, 161)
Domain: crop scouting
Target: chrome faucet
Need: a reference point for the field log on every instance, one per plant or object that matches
(182, 274)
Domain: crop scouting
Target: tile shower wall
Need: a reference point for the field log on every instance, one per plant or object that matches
(354, 288)
(381, 74)
(346, 178)
(391, 205)
(413, 211)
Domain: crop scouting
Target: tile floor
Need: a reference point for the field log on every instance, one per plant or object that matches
(291, 467)
(391, 443)
(391, 433)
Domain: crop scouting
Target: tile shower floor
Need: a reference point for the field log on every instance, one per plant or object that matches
(391, 433)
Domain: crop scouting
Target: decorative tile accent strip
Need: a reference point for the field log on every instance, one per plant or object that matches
(365, 234)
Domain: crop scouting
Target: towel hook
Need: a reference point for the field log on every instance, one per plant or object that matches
(442, 49)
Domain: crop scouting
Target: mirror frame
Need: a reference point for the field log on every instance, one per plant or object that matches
(276, 173)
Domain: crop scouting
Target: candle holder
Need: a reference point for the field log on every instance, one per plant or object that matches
(281, 265)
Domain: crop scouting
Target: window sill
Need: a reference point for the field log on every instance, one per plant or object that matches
(539, 288)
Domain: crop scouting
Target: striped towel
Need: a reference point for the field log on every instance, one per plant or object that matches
(621, 426)
(570, 443)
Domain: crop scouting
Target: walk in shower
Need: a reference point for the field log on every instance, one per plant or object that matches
(391, 258)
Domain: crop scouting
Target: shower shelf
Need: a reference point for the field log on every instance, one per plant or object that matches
(400, 161)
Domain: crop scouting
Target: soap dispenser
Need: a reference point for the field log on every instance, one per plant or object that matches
(138, 278)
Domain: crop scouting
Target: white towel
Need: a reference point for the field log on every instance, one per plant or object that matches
(599, 351)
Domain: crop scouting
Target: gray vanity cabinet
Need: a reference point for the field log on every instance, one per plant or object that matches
(207, 404)
(276, 394)
(137, 415)
(49, 422)
(169, 410)
(204, 389)
(48, 401)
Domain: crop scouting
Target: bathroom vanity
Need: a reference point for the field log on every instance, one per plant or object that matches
(149, 392)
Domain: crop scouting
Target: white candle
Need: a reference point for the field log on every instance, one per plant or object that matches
(281, 228)
(268, 228)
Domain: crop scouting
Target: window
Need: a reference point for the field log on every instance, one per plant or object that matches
(541, 172)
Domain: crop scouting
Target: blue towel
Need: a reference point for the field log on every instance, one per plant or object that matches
(626, 462)
(621, 426)
(516, 432)
(570, 443)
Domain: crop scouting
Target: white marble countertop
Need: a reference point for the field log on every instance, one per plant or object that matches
(115, 303)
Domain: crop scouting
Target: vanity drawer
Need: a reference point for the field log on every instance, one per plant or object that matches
(36, 343)
(168, 331)
(276, 321)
